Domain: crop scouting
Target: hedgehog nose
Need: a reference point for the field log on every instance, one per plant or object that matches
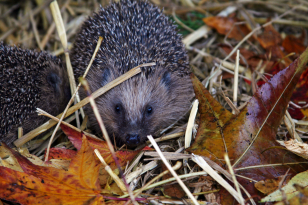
(132, 139)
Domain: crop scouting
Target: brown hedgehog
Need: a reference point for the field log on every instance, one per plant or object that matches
(29, 80)
(134, 32)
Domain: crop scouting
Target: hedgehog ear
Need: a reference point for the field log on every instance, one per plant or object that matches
(166, 79)
(55, 81)
(105, 77)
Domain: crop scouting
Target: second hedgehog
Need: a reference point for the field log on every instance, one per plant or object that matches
(134, 33)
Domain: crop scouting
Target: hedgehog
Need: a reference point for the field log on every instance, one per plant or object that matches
(29, 80)
(134, 32)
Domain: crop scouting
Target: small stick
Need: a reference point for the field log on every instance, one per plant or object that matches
(227, 160)
(189, 194)
(235, 84)
(191, 122)
(111, 173)
(37, 37)
(204, 165)
(42, 112)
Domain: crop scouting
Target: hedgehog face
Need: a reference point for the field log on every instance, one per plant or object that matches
(134, 32)
(142, 105)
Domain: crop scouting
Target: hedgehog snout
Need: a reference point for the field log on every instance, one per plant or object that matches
(132, 139)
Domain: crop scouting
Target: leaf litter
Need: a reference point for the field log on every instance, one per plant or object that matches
(266, 91)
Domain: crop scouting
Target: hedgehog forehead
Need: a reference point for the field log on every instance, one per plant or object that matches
(135, 95)
(139, 92)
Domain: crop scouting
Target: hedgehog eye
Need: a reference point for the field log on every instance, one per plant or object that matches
(149, 110)
(118, 108)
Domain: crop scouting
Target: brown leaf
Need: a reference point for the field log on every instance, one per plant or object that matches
(224, 25)
(245, 136)
(293, 44)
(269, 37)
(268, 186)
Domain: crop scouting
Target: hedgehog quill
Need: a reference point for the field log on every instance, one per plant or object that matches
(134, 32)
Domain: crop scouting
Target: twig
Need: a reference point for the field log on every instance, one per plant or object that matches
(110, 172)
(235, 84)
(191, 123)
(204, 165)
(42, 112)
(227, 160)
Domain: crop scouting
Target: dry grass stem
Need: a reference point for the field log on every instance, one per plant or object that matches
(140, 170)
(167, 137)
(196, 35)
(42, 112)
(291, 126)
(236, 184)
(111, 173)
(191, 123)
(269, 165)
(167, 155)
(204, 165)
(235, 84)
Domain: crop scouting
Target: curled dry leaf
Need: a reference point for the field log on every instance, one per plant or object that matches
(299, 148)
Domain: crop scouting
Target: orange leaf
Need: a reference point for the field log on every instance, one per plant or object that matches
(61, 153)
(47, 185)
(269, 37)
(269, 185)
(294, 44)
(224, 25)
(245, 136)
(101, 146)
